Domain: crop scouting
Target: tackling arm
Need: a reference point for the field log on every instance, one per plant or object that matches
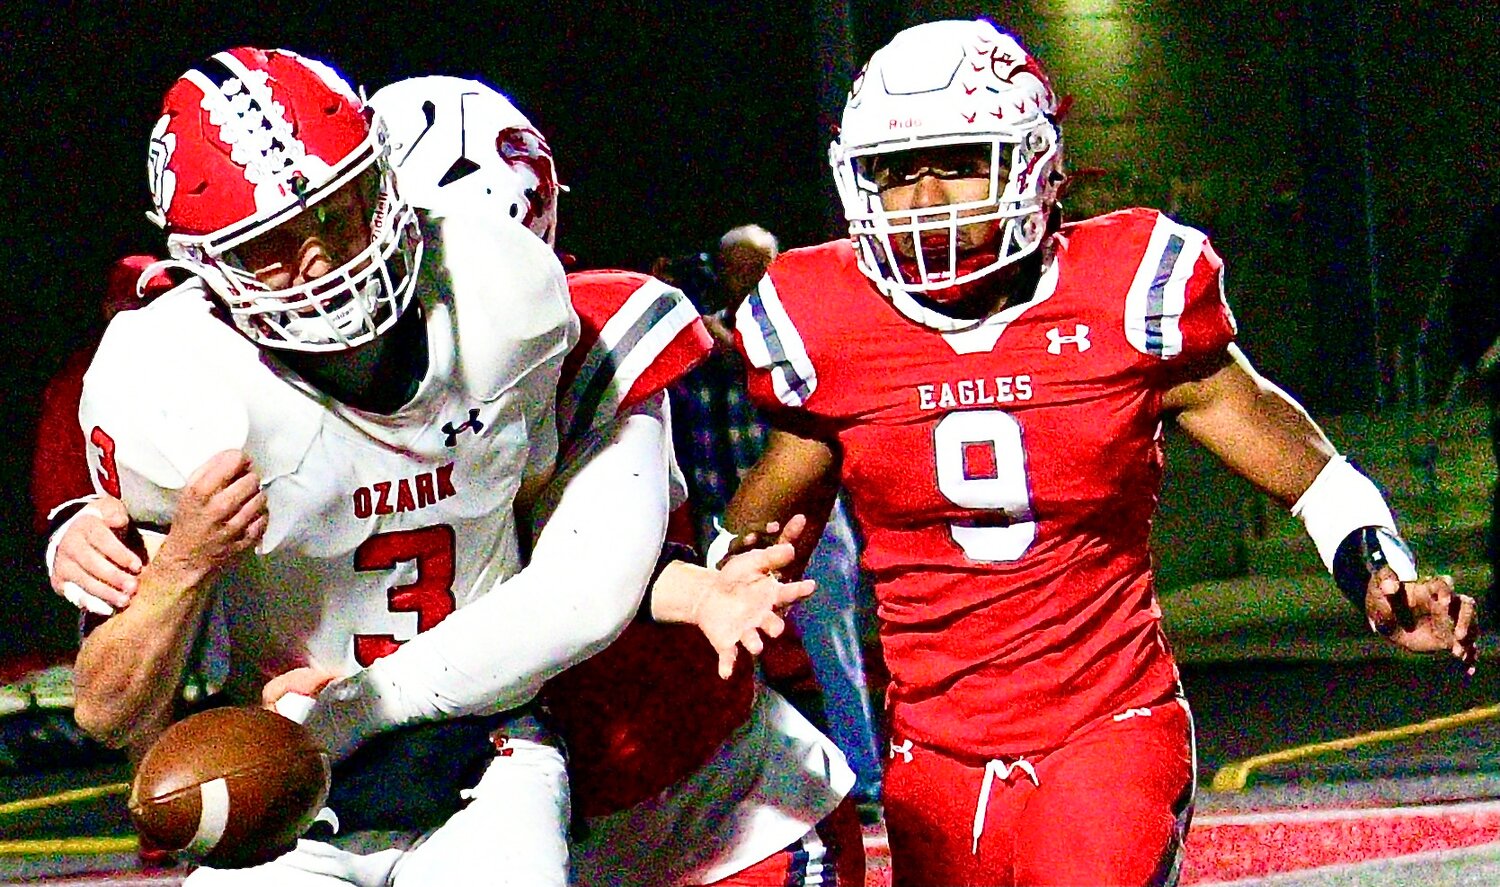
(128, 668)
(585, 581)
(795, 475)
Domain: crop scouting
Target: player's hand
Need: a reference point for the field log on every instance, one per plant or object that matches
(1425, 616)
(745, 600)
(293, 693)
(221, 512)
(773, 534)
(93, 568)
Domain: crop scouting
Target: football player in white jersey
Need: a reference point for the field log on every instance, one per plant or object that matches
(787, 758)
(373, 463)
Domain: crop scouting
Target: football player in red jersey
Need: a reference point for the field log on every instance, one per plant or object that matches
(989, 386)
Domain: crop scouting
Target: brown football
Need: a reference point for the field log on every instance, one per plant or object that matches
(229, 787)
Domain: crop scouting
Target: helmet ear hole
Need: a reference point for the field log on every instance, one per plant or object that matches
(451, 123)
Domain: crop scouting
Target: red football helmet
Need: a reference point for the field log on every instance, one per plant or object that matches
(249, 144)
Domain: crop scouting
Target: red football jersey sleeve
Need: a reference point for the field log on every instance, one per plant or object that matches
(1004, 475)
(637, 336)
(651, 708)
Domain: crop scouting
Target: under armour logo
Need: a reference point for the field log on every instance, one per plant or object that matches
(903, 749)
(453, 431)
(1080, 337)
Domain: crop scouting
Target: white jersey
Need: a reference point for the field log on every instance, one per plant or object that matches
(380, 525)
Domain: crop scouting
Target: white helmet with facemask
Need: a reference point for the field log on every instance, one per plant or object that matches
(941, 84)
(461, 147)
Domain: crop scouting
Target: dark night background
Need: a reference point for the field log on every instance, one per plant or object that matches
(1336, 151)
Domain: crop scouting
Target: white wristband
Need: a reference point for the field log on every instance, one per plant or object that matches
(719, 548)
(1339, 501)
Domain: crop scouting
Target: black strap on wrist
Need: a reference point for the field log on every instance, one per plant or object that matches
(1361, 555)
(674, 551)
(670, 551)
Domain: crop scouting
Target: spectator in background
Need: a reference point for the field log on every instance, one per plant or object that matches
(718, 434)
(1474, 322)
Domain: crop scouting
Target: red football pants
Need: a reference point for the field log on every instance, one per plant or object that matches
(832, 855)
(1109, 807)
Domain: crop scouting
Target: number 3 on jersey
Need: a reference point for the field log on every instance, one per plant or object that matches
(430, 596)
(982, 465)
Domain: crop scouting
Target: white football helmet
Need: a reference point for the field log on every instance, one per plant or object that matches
(459, 146)
(249, 146)
(938, 84)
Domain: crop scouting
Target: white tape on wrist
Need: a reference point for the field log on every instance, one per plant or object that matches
(719, 548)
(295, 706)
(1340, 500)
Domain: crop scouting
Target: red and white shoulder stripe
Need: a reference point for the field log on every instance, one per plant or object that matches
(1176, 301)
(638, 335)
(772, 345)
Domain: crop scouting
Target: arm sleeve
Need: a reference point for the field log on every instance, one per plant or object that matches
(585, 582)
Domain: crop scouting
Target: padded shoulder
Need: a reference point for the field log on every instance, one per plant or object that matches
(510, 299)
(170, 386)
(639, 335)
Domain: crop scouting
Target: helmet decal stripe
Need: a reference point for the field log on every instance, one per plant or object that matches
(255, 128)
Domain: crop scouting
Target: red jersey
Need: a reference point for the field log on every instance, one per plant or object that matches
(1005, 475)
(651, 708)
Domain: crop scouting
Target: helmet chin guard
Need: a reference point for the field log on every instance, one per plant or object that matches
(936, 85)
(249, 140)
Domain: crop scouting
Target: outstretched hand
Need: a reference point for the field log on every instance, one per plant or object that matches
(1424, 616)
(746, 599)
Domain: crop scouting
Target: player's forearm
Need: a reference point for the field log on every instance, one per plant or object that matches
(585, 582)
(1255, 428)
(795, 475)
(130, 667)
